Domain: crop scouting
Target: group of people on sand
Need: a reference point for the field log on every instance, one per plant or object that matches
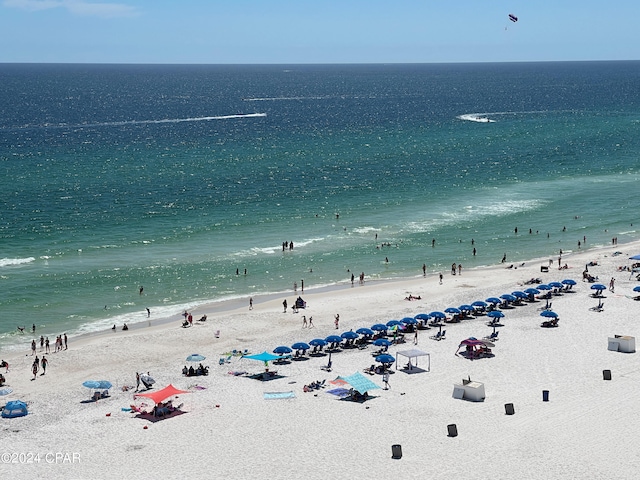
(62, 343)
(195, 372)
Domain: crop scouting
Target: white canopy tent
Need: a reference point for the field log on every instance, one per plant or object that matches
(413, 354)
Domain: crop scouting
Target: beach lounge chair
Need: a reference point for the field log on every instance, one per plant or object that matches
(437, 336)
(599, 307)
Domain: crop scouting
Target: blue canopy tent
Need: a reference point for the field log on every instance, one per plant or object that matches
(359, 383)
(14, 408)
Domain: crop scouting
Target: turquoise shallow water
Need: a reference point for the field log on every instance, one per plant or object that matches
(173, 177)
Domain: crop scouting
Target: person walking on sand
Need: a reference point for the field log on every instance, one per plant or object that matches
(612, 284)
(310, 322)
(34, 368)
(284, 304)
(33, 347)
(440, 278)
(336, 322)
(46, 345)
(43, 363)
(66, 346)
(304, 321)
(415, 337)
(250, 303)
(424, 269)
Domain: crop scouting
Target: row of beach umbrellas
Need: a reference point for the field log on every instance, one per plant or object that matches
(435, 315)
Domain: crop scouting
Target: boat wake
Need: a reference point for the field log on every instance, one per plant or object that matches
(150, 122)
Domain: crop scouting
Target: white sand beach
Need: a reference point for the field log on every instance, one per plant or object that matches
(587, 429)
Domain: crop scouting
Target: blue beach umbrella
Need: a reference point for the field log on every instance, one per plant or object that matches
(543, 286)
(532, 291)
(409, 321)
(350, 335)
(479, 303)
(495, 314)
(282, 350)
(466, 308)
(508, 297)
(452, 310)
(97, 384)
(568, 281)
(438, 315)
(196, 357)
(548, 314)
(556, 284)
(392, 323)
(365, 331)
(300, 346)
(318, 342)
(636, 289)
(379, 327)
(494, 300)
(519, 294)
(598, 286)
(422, 316)
(333, 339)
(382, 342)
(385, 358)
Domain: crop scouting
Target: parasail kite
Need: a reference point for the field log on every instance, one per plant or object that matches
(513, 18)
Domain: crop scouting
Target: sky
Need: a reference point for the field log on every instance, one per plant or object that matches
(319, 31)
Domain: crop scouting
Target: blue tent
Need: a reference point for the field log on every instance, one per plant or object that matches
(360, 383)
(14, 408)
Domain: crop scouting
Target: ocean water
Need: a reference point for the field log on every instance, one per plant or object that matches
(172, 177)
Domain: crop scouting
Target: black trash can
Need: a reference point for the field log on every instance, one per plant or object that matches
(508, 407)
(606, 374)
(545, 395)
(396, 451)
(453, 430)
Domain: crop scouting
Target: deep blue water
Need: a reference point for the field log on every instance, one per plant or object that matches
(171, 177)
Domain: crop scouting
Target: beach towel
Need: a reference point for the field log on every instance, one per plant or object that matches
(339, 392)
(278, 395)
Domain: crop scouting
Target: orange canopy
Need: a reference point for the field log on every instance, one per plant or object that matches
(160, 395)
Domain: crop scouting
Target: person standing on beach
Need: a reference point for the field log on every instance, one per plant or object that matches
(302, 285)
(284, 304)
(65, 342)
(415, 337)
(352, 278)
(33, 347)
(46, 345)
(459, 269)
(424, 269)
(440, 278)
(310, 322)
(295, 286)
(337, 321)
(612, 284)
(137, 381)
(43, 363)
(250, 303)
(304, 321)
(34, 368)
(41, 342)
